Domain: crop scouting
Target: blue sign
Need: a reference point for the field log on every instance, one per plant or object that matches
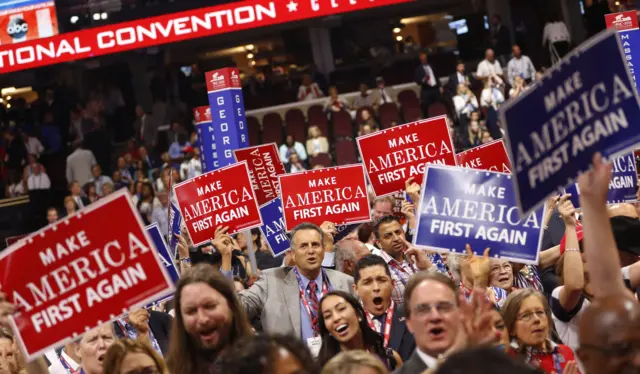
(207, 140)
(343, 230)
(165, 256)
(227, 113)
(627, 25)
(461, 206)
(623, 185)
(274, 229)
(583, 105)
(175, 226)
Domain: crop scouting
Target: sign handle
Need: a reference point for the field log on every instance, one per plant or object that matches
(251, 250)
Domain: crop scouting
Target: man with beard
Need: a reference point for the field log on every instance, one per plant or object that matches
(374, 286)
(610, 336)
(208, 319)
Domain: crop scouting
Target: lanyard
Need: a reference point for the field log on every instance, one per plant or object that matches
(66, 365)
(303, 297)
(393, 265)
(387, 324)
(132, 333)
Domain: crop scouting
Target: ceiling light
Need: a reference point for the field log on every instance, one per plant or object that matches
(96, 16)
(399, 38)
(396, 30)
(74, 19)
(104, 15)
(8, 106)
(617, 3)
(250, 56)
(249, 47)
(253, 63)
(9, 97)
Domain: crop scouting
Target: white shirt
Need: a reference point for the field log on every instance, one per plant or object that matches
(486, 68)
(56, 366)
(462, 107)
(314, 92)
(78, 201)
(491, 97)
(555, 32)
(190, 169)
(16, 189)
(100, 181)
(34, 147)
(461, 78)
(431, 362)
(38, 182)
(520, 66)
(429, 72)
(384, 97)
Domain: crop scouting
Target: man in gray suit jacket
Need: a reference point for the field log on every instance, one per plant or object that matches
(276, 295)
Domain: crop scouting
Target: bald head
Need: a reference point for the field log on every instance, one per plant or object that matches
(624, 209)
(608, 327)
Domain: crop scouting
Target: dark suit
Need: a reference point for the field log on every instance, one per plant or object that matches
(428, 94)
(414, 365)
(401, 339)
(453, 82)
(84, 200)
(160, 325)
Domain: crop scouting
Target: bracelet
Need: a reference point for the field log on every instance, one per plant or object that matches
(185, 260)
(572, 250)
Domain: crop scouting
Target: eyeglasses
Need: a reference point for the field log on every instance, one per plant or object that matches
(618, 350)
(526, 317)
(506, 267)
(442, 307)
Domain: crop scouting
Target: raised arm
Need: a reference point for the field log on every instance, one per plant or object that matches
(572, 270)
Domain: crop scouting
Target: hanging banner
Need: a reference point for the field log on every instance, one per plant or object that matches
(394, 155)
(463, 206)
(583, 105)
(491, 156)
(623, 186)
(627, 25)
(274, 230)
(223, 197)
(336, 194)
(264, 168)
(204, 129)
(171, 28)
(80, 272)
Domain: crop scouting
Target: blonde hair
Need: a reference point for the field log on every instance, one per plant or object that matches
(121, 348)
(346, 362)
(311, 130)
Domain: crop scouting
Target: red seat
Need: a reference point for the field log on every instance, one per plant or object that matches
(272, 128)
(253, 128)
(406, 95)
(411, 111)
(346, 152)
(295, 124)
(359, 113)
(341, 125)
(317, 117)
(321, 159)
(437, 109)
(388, 113)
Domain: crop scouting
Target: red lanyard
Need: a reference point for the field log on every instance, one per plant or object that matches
(303, 297)
(395, 267)
(387, 324)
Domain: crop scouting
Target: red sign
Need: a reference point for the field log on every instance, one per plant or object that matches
(622, 21)
(81, 272)
(394, 155)
(10, 240)
(222, 78)
(171, 28)
(202, 114)
(337, 194)
(222, 197)
(264, 168)
(491, 156)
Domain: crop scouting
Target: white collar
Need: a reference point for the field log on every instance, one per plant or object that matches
(74, 365)
(431, 362)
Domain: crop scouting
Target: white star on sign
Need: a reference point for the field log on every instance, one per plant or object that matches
(292, 6)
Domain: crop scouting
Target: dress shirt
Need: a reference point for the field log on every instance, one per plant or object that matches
(38, 182)
(486, 68)
(555, 32)
(520, 66)
(100, 181)
(432, 78)
(431, 362)
(305, 319)
(384, 97)
(399, 277)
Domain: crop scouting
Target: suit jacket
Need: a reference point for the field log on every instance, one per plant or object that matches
(414, 365)
(453, 82)
(400, 339)
(275, 298)
(149, 134)
(160, 324)
(418, 77)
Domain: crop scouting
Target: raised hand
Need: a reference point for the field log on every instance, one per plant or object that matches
(594, 184)
(416, 256)
(567, 210)
(222, 241)
(479, 266)
(412, 189)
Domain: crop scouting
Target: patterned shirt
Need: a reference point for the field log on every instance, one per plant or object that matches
(400, 274)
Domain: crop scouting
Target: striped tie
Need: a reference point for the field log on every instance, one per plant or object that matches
(313, 305)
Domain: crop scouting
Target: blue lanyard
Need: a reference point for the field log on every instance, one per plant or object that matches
(132, 333)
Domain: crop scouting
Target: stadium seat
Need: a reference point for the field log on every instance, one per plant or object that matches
(388, 113)
(411, 111)
(317, 117)
(346, 152)
(272, 128)
(253, 127)
(341, 122)
(437, 109)
(359, 113)
(295, 124)
(321, 159)
(407, 95)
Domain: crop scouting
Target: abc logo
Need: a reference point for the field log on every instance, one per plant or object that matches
(17, 28)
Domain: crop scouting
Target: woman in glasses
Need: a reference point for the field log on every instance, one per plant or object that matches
(528, 320)
(344, 327)
(129, 356)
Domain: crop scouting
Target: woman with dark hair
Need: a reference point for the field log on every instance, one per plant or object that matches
(344, 327)
(208, 320)
(91, 192)
(147, 201)
(267, 354)
(128, 356)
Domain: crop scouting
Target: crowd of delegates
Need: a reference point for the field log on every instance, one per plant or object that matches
(374, 303)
